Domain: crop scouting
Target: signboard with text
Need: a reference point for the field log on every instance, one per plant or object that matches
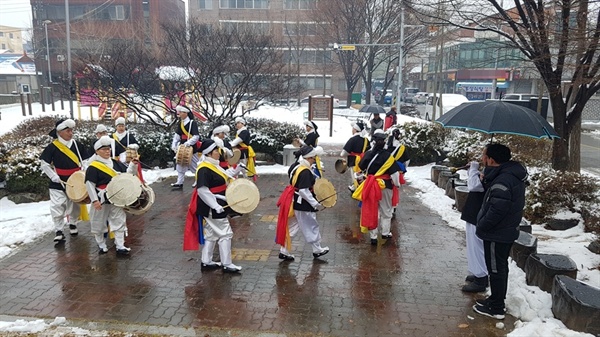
(321, 108)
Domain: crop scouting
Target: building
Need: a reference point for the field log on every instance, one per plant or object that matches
(289, 22)
(94, 24)
(11, 40)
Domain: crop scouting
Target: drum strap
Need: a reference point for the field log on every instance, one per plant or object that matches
(102, 167)
(68, 152)
(213, 168)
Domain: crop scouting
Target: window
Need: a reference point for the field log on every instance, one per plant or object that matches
(300, 4)
(255, 27)
(3, 46)
(314, 82)
(10, 35)
(205, 4)
(120, 12)
(244, 4)
(1, 34)
(300, 29)
(307, 56)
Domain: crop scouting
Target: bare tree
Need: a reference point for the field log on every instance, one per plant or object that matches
(227, 65)
(561, 39)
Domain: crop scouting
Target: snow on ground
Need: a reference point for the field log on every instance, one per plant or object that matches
(25, 223)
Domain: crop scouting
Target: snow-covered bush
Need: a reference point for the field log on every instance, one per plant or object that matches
(424, 141)
(552, 191)
(464, 147)
(270, 136)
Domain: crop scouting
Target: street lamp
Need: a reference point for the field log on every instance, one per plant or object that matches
(45, 23)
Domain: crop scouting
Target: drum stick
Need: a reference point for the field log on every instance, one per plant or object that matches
(247, 169)
(235, 203)
(112, 195)
(334, 194)
(66, 183)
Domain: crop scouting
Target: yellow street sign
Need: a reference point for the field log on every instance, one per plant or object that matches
(347, 47)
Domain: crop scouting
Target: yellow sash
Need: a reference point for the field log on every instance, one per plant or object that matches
(357, 160)
(185, 132)
(68, 152)
(214, 169)
(399, 153)
(388, 163)
(251, 156)
(104, 168)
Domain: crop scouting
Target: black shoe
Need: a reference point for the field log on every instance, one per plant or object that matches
(73, 230)
(387, 237)
(317, 255)
(286, 257)
(210, 266)
(232, 269)
(177, 186)
(102, 251)
(60, 237)
(373, 242)
(123, 252)
(470, 278)
(484, 302)
(488, 311)
(473, 287)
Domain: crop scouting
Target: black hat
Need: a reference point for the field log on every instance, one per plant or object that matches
(378, 135)
(208, 145)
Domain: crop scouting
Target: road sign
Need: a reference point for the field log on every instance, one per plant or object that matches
(347, 47)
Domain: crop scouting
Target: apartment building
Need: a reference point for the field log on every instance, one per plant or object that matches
(289, 21)
(95, 23)
(11, 40)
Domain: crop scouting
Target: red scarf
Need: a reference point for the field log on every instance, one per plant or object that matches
(193, 234)
(285, 204)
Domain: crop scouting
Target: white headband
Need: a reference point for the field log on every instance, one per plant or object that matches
(66, 124)
(209, 149)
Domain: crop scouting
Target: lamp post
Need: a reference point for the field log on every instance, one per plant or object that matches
(400, 61)
(45, 23)
(69, 71)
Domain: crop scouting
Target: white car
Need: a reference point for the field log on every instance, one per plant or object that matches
(304, 101)
(420, 97)
(448, 102)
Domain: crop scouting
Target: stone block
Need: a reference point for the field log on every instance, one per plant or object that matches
(460, 197)
(525, 245)
(576, 304)
(443, 178)
(540, 269)
(435, 171)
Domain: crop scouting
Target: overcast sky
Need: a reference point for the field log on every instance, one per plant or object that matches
(15, 13)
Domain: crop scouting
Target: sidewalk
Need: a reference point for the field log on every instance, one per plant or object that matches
(409, 285)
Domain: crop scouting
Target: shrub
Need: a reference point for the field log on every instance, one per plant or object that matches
(464, 147)
(424, 141)
(551, 191)
(529, 151)
(270, 136)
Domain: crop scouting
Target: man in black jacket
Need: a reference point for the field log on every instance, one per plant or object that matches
(498, 222)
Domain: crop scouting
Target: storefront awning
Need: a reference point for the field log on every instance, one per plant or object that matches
(480, 86)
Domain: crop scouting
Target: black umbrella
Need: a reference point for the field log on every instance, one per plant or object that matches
(372, 109)
(498, 117)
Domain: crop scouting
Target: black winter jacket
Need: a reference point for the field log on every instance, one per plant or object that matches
(503, 203)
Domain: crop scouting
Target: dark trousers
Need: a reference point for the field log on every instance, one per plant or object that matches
(496, 260)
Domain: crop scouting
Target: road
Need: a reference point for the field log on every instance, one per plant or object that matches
(590, 152)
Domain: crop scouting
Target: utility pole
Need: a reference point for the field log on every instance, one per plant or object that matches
(69, 70)
(400, 59)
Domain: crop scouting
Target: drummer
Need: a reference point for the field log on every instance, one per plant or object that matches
(123, 139)
(377, 202)
(218, 135)
(59, 160)
(242, 141)
(299, 194)
(206, 217)
(312, 139)
(186, 134)
(97, 176)
(355, 149)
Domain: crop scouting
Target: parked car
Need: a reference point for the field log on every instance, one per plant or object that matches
(448, 102)
(387, 99)
(304, 101)
(420, 97)
(519, 97)
(408, 94)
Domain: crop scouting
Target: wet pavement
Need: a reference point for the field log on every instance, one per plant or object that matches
(405, 286)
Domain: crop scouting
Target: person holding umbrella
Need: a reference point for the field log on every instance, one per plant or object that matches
(376, 123)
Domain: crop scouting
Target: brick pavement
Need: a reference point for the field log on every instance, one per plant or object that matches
(409, 285)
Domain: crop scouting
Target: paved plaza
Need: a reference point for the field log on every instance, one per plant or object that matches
(405, 286)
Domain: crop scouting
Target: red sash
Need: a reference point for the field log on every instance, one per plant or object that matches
(284, 203)
(192, 230)
(66, 172)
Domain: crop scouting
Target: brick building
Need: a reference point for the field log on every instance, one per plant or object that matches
(289, 21)
(95, 23)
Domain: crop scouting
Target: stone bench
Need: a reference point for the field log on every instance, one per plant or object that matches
(443, 178)
(435, 171)
(451, 184)
(540, 269)
(525, 245)
(576, 304)
(524, 226)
